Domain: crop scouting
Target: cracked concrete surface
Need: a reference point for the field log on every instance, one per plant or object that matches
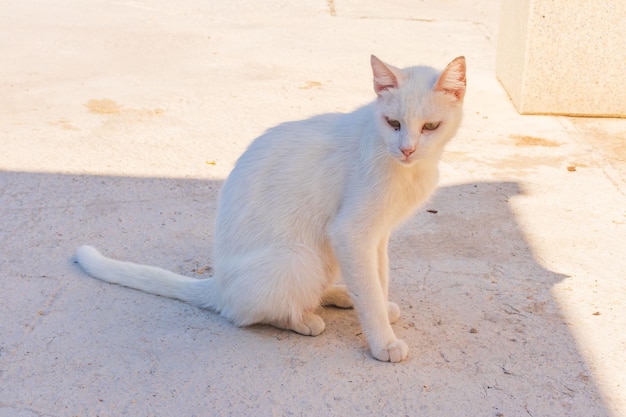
(121, 120)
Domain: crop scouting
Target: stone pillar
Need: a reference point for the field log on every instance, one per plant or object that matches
(564, 56)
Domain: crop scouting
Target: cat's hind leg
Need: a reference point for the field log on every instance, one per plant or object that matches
(337, 295)
(394, 311)
(279, 286)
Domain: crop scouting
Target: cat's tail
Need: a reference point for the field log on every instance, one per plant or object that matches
(146, 278)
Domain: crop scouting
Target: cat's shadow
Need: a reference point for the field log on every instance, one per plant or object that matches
(476, 300)
(465, 273)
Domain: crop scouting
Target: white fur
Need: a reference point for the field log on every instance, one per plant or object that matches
(315, 199)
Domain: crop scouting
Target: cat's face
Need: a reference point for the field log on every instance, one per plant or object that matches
(418, 108)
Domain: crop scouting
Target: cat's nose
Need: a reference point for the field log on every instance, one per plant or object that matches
(407, 151)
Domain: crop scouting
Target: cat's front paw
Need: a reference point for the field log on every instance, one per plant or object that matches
(394, 312)
(396, 351)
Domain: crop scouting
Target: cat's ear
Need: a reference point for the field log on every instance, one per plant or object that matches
(452, 79)
(386, 77)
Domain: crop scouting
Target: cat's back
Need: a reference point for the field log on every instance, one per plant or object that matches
(289, 179)
(301, 151)
(296, 142)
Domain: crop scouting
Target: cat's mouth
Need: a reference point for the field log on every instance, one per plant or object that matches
(407, 160)
(403, 158)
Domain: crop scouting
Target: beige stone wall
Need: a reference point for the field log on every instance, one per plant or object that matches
(564, 56)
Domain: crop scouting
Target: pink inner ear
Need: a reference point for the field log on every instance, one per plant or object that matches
(452, 79)
(384, 78)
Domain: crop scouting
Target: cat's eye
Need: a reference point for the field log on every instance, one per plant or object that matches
(394, 123)
(431, 125)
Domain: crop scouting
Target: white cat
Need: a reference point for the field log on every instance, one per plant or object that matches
(313, 200)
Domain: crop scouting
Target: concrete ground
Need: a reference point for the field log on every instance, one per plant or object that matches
(120, 120)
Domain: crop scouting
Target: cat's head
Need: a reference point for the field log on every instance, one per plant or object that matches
(418, 108)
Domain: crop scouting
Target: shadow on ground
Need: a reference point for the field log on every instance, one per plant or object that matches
(486, 336)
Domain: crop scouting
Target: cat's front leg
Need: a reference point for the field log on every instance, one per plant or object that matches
(357, 257)
(383, 276)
